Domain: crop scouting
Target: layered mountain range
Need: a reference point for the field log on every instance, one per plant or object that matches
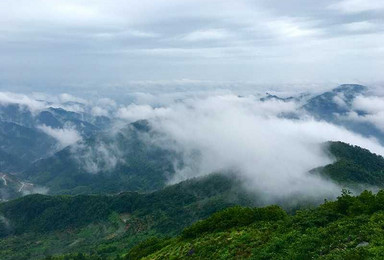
(67, 152)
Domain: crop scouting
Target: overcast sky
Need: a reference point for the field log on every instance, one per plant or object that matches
(101, 42)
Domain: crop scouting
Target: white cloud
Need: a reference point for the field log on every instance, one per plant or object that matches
(34, 190)
(222, 128)
(37, 102)
(65, 97)
(289, 28)
(123, 34)
(272, 154)
(357, 6)
(98, 111)
(373, 108)
(207, 35)
(7, 98)
(102, 107)
(98, 157)
(339, 99)
(370, 104)
(376, 119)
(362, 26)
(135, 112)
(65, 136)
(142, 34)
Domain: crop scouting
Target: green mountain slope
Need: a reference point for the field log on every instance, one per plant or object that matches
(349, 228)
(106, 163)
(24, 145)
(87, 223)
(353, 166)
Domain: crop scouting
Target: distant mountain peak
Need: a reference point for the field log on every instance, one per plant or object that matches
(269, 97)
(350, 88)
(335, 101)
(141, 125)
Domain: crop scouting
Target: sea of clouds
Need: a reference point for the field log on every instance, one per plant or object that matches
(271, 145)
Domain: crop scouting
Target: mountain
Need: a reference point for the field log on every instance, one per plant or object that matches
(335, 106)
(13, 187)
(109, 160)
(348, 228)
(9, 162)
(54, 117)
(22, 138)
(269, 97)
(127, 160)
(354, 166)
(84, 123)
(17, 114)
(26, 136)
(106, 163)
(108, 225)
(337, 101)
(23, 144)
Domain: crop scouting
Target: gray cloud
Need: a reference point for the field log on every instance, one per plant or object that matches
(104, 42)
(357, 6)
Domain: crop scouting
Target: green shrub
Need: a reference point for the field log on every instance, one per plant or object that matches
(234, 217)
(145, 248)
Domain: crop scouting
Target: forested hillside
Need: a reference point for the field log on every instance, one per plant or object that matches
(353, 166)
(106, 163)
(109, 225)
(349, 228)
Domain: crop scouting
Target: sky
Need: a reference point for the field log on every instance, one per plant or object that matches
(94, 43)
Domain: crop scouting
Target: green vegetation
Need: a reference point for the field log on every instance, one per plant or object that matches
(234, 217)
(140, 167)
(349, 228)
(354, 166)
(123, 161)
(40, 225)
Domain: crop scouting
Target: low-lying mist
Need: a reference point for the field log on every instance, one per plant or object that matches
(270, 145)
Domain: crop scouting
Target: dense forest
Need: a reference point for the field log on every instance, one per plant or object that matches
(348, 228)
(109, 225)
(354, 165)
(352, 227)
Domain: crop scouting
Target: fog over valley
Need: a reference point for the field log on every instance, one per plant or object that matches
(271, 142)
